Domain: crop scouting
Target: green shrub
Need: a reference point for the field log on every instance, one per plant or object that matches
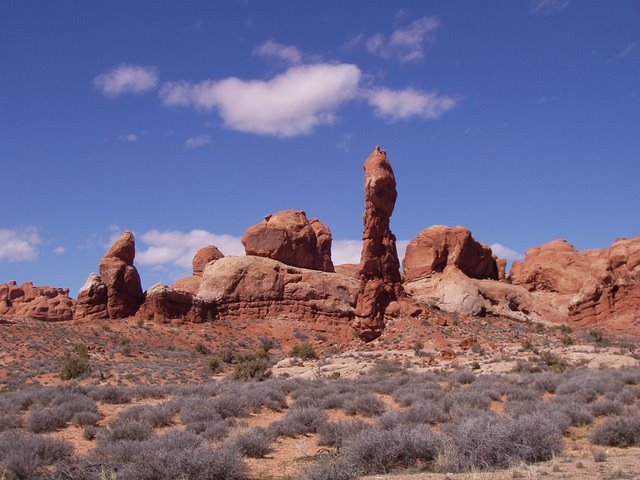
(303, 350)
(251, 367)
(214, 365)
(76, 363)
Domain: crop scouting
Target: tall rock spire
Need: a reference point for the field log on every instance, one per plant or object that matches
(380, 281)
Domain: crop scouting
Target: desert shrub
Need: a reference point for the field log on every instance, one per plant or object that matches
(128, 429)
(254, 442)
(331, 467)
(333, 434)
(90, 432)
(426, 412)
(375, 451)
(465, 377)
(299, 421)
(618, 432)
(417, 391)
(111, 394)
(304, 351)
(250, 367)
(155, 415)
(214, 364)
(22, 455)
(366, 404)
(86, 418)
(176, 454)
(46, 420)
(216, 430)
(197, 410)
(606, 407)
(9, 421)
(231, 405)
(75, 363)
(466, 399)
(487, 441)
(546, 382)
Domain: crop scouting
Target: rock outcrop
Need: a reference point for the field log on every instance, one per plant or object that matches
(289, 237)
(380, 281)
(205, 255)
(439, 247)
(258, 287)
(92, 299)
(42, 303)
(163, 304)
(124, 289)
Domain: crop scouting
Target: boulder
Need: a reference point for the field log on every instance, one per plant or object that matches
(163, 304)
(42, 303)
(348, 269)
(124, 289)
(439, 247)
(254, 287)
(207, 254)
(204, 256)
(290, 238)
(380, 281)
(92, 299)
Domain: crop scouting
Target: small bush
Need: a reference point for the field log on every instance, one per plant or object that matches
(90, 432)
(22, 455)
(86, 418)
(606, 407)
(46, 420)
(304, 351)
(331, 467)
(618, 432)
(254, 442)
(299, 421)
(333, 434)
(76, 363)
(111, 394)
(135, 430)
(366, 404)
(201, 348)
(215, 366)
(250, 367)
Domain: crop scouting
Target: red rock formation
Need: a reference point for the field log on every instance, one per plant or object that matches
(163, 304)
(205, 255)
(380, 281)
(501, 263)
(290, 238)
(124, 289)
(439, 247)
(349, 269)
(257, 287)
(42, 303)
(92, 300)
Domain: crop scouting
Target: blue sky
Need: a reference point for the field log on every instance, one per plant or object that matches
(187, 122)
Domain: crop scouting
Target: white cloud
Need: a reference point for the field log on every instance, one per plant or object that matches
(175, 248)
(407, 44)
(125, 78)
(59, 250)
(548, 6)
(506, 252)
(198, 141)
(403, 104)
(19, 245)
(131, 137)
(290, 104)
(288, 53)
(348, 251)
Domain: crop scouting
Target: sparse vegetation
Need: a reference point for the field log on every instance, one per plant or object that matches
(76, 363)
(304, 351)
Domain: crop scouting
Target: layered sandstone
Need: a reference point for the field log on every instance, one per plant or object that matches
(439, 247)
(92, 299)
(163, 304)
(380, 281)
(289, 237)
(258, 287)
(42, 303)
(124, 289)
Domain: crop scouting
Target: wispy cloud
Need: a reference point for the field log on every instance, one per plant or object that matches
(345, 142)
(126, 78)
(407, 44)
(543, 7)
(59, 250)
(176, 249)
(403, 104)
(292, 103)
(131, 137)
(288, 53)
(627, 50)
(198, 141)
(506, 252)
(19, 245)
